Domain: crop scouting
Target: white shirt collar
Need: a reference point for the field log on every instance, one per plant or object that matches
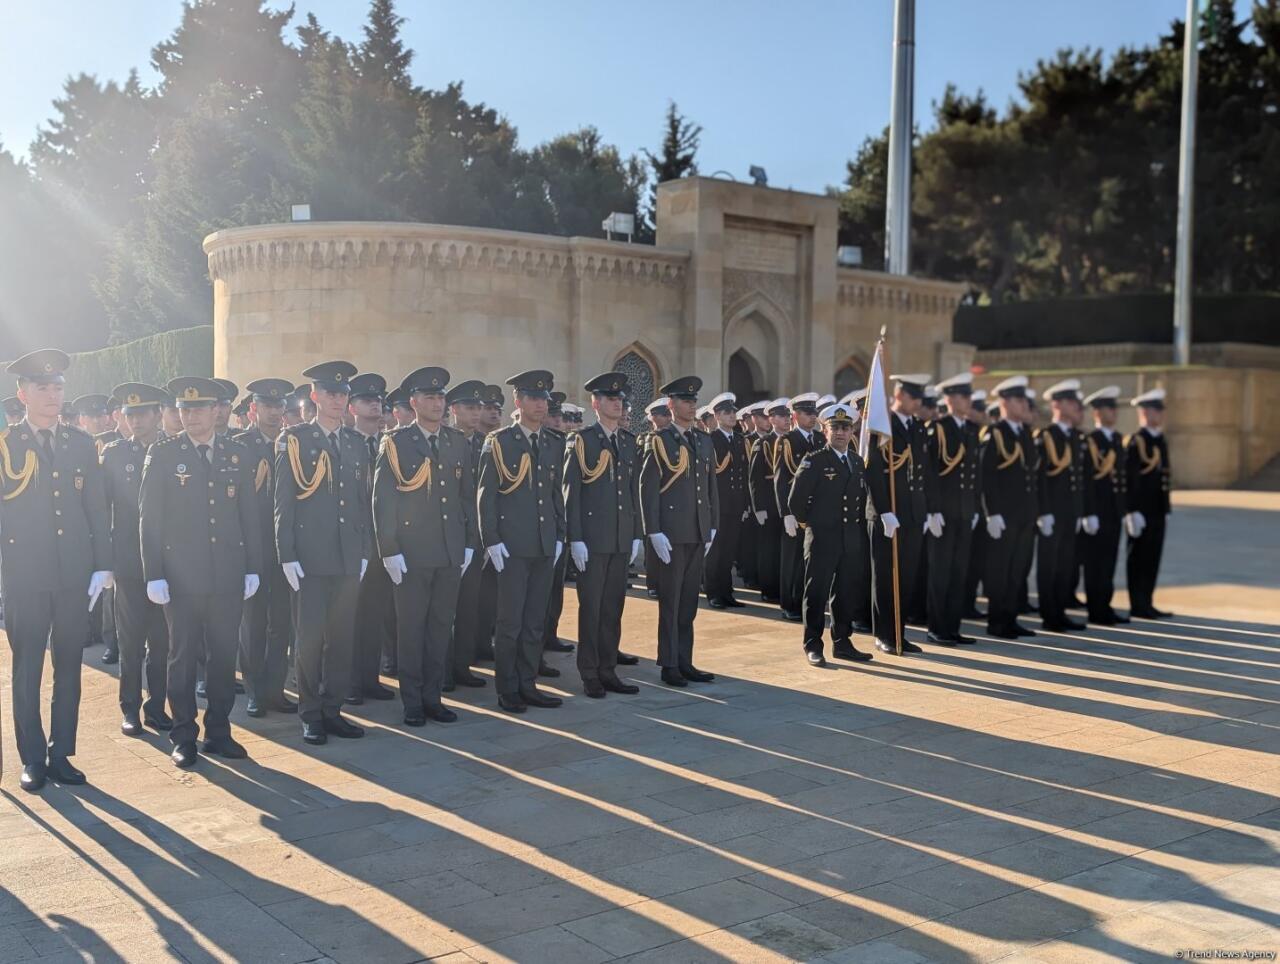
(806, 432)
(959, 421)
(728, 435)
(1153, 432)
(1110, 433)
(1064, 427)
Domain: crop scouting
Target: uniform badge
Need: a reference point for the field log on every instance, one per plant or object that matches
(231, 490)
(457, 472)
(129, 467)
(79, 482)
(235, 460)
(182, 467)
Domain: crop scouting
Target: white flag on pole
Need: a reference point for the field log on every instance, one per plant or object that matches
(875, 413)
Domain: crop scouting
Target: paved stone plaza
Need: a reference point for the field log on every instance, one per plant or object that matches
(1064, 798)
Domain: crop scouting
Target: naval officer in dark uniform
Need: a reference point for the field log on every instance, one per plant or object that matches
(324, 539)
(1105, 475)
(1147, 503)
(201, 556)
(679, 505)
(424, 514)
(761, 472)
(140, 626)
(828, 500)
(792, 446)
(731, 487)
(522, 527)
(55, 562)
(602, 522)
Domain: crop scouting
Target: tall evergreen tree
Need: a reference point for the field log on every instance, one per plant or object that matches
(675, 159)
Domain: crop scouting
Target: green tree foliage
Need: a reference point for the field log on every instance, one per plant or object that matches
(677, 158)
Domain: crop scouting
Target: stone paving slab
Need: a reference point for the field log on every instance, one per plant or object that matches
(1098, 795)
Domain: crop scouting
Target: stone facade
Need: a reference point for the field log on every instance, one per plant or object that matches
(742, 289)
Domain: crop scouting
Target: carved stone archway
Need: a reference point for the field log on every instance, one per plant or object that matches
(759, 334)
(643, 378)
(851, 375)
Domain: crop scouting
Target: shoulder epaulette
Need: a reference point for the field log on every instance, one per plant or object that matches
(77, 430)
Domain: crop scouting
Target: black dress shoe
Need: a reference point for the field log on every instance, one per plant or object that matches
(626, 659)
(974, 613)
(558, 645)
(254, 708)
(62, 772)
(1075, 603)
(284, 705)
(470, 680)
(158, 720)
(1161, 614)
(355, 699)
(846, 650)
(615, 685)
(1023, 631)
(441, 714)
(550, 672)
(224, 746)
(909, 647)
(202, 691)
(593, 688)
(512, 704)
(131, 725)
(1052, 626)
(1106, 619)
(415, 718)
(314, 733)
(111, 655)
(965, 640)
(1118, 618)
(938, 640)
(814, 657)
(863, 628)
(735, 603)
(885, 647)
(1026, 609)
(342, 728)
(695, 675)
(239, 688)
(716, 603)
(791, 617)
(184, 755)
(1003, 632)
(540, 700)
(673, 677)
(1073, 624)
(33, 777)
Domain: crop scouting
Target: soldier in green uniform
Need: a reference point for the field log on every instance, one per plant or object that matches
(731, 487)
(1147, 505)
(228, 392)
(679, 506)
(14, 410)
(376, 598)
(602, 512)
(522, 528)
(554, 426)
(952, 443)
(424, 516)
(93, 416)
(761, 474)
(828, 499)
(140, 626)
(1105, 475)
(324, 538)
(482, 646)
(55, 562)
(266, 628)
(170, 418)
(658, 415)
(201, 558)
(792, 446)
(466, 403)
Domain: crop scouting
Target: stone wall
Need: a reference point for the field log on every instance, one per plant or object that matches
(1126, 355)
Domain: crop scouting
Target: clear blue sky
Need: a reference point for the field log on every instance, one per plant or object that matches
(794, 86)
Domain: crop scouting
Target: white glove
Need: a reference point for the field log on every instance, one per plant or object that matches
(1091, 525)
(99, 581)
(662, 546)
(158, 591)
(292, 574)
(1045, 525)
(995, 526)
(635, 548)
(251, 582)
(364, 565)
(933, 524)
(762, 517)
(790, 525)
(974, 523)
(578, 552)
(746, 514)
(1134, 523)
(467, 555)
(497, 552)
(890, 523)
(707, 547)
(559, 549)
(395, 567)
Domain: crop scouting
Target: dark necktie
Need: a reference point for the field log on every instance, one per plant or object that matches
(333, 446)
(689, 437)
(204, 453)
(533, 442)
(613, 444)
(433, 445)
(844, 461)
(373, 447)
(46, 443)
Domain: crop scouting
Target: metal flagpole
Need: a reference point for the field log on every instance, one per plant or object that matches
(897, 226)
(893, 501)
(1186, 188)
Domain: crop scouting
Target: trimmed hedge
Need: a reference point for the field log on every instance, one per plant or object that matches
(152, 360)
(1144, 318)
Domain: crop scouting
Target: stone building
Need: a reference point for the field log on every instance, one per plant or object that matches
(742, 289)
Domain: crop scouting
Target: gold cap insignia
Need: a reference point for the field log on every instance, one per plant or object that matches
(48, 367)
(339, 377)
(540, 385)
(191, 393)
(134, 399)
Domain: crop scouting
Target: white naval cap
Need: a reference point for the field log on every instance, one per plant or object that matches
(779, 406)
(704, 411)
(914, 383)
(1015, 386)
(658, 403)
(1031, 394)
(979, 396)
(855, 396)
(961, 384)
(1153, 399)
(809, 399)
(826, 400)
(1067, 388)
(931, 394)
(840, 413)
(1103, 396)
(724, 398)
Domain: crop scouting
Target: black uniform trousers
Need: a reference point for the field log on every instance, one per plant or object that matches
(747, 556)
(791, 571)
(831, 575)
(555, 601)
(948, 572)
(375, 598)
(1100, 553)
(144, 647)
(768, 555)
(718, 568)
(1006, 575)
(1142, 563)
(524, 588)
(35, 621)
(324, 617)
(96, 619)
(487, 612)
(265, 631)
(678, 585)
(466, 618)
(909, 549)
(977, 567)
(916, 603)
(426, 600)
(1056, 568)
(602, 590)
(205, 624)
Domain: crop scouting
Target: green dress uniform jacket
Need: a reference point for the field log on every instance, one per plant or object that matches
(602, 489)
(521, 503)
(678, 492)
(122, 463)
